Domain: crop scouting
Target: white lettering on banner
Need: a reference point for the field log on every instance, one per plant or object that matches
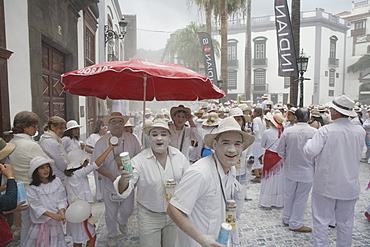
(209, 66)
(94, 70)
(205, 41)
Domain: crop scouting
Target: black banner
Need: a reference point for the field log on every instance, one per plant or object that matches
(209, 57)
(286, 52)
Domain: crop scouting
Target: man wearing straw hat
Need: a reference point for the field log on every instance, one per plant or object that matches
(117, 210)
(198, 206)
(157, 168)
(337, 148)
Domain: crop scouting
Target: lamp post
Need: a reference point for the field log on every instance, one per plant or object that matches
(220, 83)
(109, 35)
(302, 63)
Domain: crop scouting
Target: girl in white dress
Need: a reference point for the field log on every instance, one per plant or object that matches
(77, 185)
(47, 199)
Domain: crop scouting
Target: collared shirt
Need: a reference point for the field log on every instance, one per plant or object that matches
(199, 196)
(337, 148)
(130, 145)
(70, 143)
(191, 133)
(150, 177)
(20, 158)
(92, 139)
(270, 139)
(259, 126)
(297, 166)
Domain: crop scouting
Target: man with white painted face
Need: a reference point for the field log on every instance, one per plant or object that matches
(198, 206)
(154, 168)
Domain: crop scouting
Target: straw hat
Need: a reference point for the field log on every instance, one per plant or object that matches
(234, 112)
(37, 162)
(5, 149)
(265, 96)
(315, 113)
(148, 111)
(211, 120)
(158, 123)
(276, 118)
(344, 105)
(293, 109)
(229, 124)
(129, 124)
(76, 158)
(71, 124)
(179, 108)
(321, 108)
(106, 119)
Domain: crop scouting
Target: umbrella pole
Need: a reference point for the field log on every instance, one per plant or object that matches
(144, 106)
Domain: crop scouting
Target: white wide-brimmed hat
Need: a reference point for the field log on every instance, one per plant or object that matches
(5, 148)
(76, 158)
(265, 96)
(276, 118)
(226, 125)
(344, 105)
(292, 110)
(211, 120)
(71, 124)
(129, 124)
(158, 123)
(235, 112)
(37, 162)
(106, 119)
(179, 108)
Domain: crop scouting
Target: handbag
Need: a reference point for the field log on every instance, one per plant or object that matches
(5, 232)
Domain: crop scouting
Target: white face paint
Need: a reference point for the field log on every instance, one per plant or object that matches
(159, 139)
(228, 149)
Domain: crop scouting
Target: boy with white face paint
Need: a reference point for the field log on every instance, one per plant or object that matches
(152, 168)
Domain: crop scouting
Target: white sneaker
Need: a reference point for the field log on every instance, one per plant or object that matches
(123, 229)
(112, 241)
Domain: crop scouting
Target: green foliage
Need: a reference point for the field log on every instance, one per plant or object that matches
(362, 64)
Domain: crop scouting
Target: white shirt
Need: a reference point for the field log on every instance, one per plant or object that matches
(46, 197)
(199, 196)
(337, 148)
(241, 168)
(53, 147)
(191, 133)
(77, 185)
(297, 166)
(26, 150)
(70, 144)
(270, 139)
(259, 126)
(150, 177)
(92, 139)
(130, 145)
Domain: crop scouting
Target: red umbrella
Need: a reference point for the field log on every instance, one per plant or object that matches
(140, 80)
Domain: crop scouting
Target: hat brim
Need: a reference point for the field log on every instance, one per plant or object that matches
(73, 127)
(33, 168)
(149, 128)
(106, 119)
(175, 109)
(349, 113)
(247, 138)
(7, 150)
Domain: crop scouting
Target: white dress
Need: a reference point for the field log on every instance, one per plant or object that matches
(46, 197)
(78, 187)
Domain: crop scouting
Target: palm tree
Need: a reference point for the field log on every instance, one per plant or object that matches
(184, 43)
(207, 6)
(296, 23)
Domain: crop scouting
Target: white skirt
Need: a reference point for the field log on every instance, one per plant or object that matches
(272, 190)
(78, 233)
(55, 233)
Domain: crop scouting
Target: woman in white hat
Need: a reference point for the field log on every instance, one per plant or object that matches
(47, 199)
(52, 145)
(272, 173)
(71, 137)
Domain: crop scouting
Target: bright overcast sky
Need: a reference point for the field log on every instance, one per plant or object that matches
(156, 19)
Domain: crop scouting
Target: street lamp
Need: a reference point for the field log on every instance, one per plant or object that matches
(109, 35)
(302, 63)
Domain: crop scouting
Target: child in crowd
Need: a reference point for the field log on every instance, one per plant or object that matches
(77, 185)
(47, 199)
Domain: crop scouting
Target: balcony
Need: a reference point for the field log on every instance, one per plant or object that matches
(259, 88)
(333, 62)
(261, 62)
(358, 32)
(233, 63)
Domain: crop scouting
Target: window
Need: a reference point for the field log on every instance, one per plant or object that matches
(286, 82)
(232, 79)
(260, 76)
(331, 78)
(333, 46)
(331, 93)
(232, 50)
(359, 25)
(259, 47)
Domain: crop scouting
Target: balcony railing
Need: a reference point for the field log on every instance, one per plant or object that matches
(260, 62)
(233, 63)
(357, 32)
(259, 88)
(333, 62)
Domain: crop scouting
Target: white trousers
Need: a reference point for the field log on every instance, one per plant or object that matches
(155, 229)
(257, 152)
(295, 202)
(117, 212)
(26, 225)
(98, 186)
(322, 214)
